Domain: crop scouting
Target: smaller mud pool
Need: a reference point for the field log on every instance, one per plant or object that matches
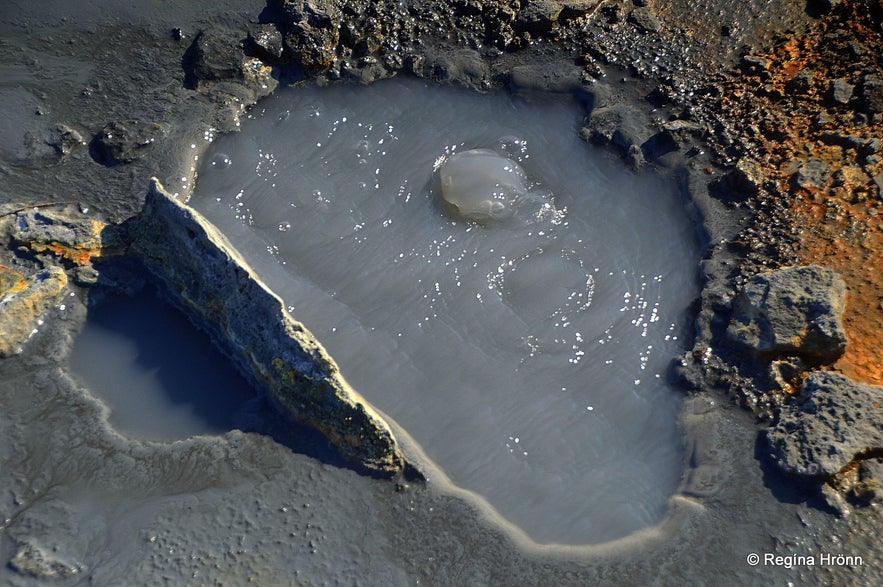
(508, 295)
(159, 376)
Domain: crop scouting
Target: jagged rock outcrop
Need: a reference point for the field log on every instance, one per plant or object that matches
(205, 275)
(795, 311)
(833, 421)
(47, 243)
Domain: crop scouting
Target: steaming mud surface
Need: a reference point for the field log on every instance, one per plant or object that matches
(527, 357)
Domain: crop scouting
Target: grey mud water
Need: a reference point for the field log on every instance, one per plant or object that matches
(161, 378)
(80, 504)
(526, 353)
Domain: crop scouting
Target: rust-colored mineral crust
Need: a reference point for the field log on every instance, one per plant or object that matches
(809, 111)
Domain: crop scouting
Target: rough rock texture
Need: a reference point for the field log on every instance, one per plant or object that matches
(24, 301)
(741, 116)
(265, 42)
(645, 19)
(841, 91)
(216, 57)
(43, 242)
(539, 16)
(124, 141)
(371, 40)
(795, 311)
(833, 421)
(313, 31)
(61, 231)
(801, 108)
(33, 561)
(625, 129)
(206, 276)
(872, 94)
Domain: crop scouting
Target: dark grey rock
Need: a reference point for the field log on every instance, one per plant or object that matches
(755, 65)
(65, 140)
(857, 49)
(681, 126)
(59, 225)
(539, 16)
(214, 55)
(86, 275)
(869, 488)
(25, 300)
(795, 311)
(744, 181)
(832, 421)
(841, 91)
(801, 83)
(746, 177)
(634, 157)
(602, 125)
(645, 19)
(465, 66)
(872, 94)
(124, 141)
(657, 147)
(847, 141)
(542, 78)
(319, 14)
(206, 276)
(576, 8)
(878, 181)
(813, 174)
(265, 42)
(313, 31)
(618, 125)
(32, 561)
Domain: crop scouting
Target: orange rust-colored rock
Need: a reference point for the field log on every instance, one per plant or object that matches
(79, 255)
(22, 308)
(11, 281)
(848, 239)
(819, 150)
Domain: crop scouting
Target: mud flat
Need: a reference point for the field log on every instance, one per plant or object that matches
(107, 99)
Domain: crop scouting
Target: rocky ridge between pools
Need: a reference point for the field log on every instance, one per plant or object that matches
(54, 249)
(203, 274)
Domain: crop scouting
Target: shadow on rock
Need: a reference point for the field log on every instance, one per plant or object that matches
(784, 487)
(126, 274)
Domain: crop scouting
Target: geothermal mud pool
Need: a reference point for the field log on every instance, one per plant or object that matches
(525, 347)
(160, 378)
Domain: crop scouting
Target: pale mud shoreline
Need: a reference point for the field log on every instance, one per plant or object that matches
(221, 510)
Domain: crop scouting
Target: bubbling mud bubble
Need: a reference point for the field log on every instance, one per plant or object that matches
(483, 186)
(507, 294)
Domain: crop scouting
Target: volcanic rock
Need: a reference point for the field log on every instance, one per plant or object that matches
(795, 311)
(832, 421)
